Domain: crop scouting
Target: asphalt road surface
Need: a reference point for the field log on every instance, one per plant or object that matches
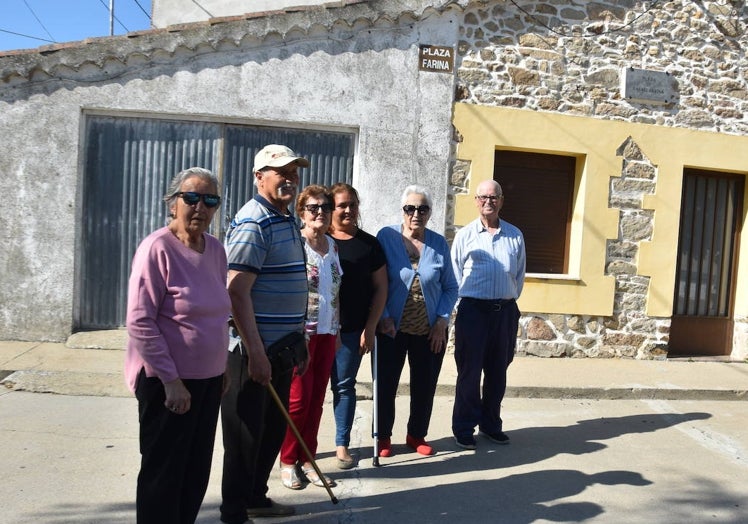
(74, 459)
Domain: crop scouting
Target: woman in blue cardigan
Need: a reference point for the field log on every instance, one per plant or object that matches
(422, 291)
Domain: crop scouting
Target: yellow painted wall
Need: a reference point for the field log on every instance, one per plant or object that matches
(586, 289)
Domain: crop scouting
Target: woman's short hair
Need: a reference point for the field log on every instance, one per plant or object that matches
(415, 189)
(314, 191)
(176, 183)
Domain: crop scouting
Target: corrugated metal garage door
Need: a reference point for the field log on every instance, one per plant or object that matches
(128, 165)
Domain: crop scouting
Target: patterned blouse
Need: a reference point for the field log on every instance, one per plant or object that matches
(415, 320)
(324, 276)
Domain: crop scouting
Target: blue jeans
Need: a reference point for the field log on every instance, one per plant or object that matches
(343, 385)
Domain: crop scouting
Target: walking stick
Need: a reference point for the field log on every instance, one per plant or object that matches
(375, 409)
(301, 440)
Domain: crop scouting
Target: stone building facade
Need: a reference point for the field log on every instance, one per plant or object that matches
(568, 57)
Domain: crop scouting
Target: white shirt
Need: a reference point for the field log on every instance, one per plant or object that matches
(489, 266)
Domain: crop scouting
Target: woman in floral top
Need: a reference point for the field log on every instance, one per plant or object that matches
(324, 273)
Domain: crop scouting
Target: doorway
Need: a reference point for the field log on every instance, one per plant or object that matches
(711, 216)
(129, 162)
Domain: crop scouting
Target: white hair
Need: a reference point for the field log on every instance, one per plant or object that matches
(415, 189)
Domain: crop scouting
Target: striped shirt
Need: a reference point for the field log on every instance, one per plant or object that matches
(489, 266)
(266, 242)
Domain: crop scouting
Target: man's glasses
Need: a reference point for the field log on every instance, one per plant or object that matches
(492, 198)
(411, 209)
(191, 198)
(316, 208)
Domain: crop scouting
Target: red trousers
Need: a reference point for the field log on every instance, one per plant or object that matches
(306, 399)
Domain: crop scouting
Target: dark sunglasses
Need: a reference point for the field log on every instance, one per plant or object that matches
(410, 210)
(315, 208)
(191, 198)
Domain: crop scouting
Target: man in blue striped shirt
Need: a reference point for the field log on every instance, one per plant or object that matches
(488, 257)
(268, 288)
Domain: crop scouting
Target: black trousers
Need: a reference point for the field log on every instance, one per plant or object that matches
(253, 431)
(176, 450)
(424, 374)
(485, 341)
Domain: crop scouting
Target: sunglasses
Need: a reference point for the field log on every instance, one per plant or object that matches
(316, 208)
(410, 209)
(191, 198)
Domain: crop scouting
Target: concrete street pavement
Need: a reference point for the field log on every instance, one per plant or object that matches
(74, 459)
(604, 441)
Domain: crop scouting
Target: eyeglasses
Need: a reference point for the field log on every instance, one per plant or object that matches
(316, 208)
(492, 198)
(411, 209)
(191, 198)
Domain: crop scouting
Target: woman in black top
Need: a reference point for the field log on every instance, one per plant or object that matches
(362, 297)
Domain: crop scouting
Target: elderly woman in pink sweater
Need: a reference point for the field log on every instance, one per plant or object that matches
(177, 313)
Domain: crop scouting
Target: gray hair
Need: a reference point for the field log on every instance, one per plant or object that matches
(415, 189)
(176, 183)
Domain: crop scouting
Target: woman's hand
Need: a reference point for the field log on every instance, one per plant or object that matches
(366, 342)
(438, 335)
(387, 327)
(302, 366)
(178, 398)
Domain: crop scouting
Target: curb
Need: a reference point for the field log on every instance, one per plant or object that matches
(364, 392)
(67, 383)
(112, 385)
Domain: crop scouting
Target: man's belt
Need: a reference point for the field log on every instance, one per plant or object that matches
(487, 304)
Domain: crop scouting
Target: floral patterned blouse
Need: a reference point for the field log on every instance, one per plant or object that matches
(324, 276)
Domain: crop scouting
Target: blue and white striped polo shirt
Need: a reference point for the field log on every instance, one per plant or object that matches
(264, 241)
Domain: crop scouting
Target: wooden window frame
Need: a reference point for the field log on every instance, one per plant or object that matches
(538, 198)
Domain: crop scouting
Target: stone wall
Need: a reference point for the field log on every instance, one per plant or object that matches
(629, 332)
(567, 57)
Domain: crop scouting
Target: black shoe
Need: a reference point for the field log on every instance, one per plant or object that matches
(465, 442)
(273, 509)
(236, 519)
(499, 437)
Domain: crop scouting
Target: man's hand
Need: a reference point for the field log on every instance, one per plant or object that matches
(259, 367)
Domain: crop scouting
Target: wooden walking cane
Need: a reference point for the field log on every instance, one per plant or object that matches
(301, 441)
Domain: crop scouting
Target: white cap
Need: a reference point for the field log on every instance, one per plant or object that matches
(275, 155)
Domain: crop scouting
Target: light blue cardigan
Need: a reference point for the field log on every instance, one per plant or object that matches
(434, 270)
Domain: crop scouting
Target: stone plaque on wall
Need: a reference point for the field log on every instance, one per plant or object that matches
(647, 86)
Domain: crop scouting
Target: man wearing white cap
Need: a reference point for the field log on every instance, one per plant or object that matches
(268, 289)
